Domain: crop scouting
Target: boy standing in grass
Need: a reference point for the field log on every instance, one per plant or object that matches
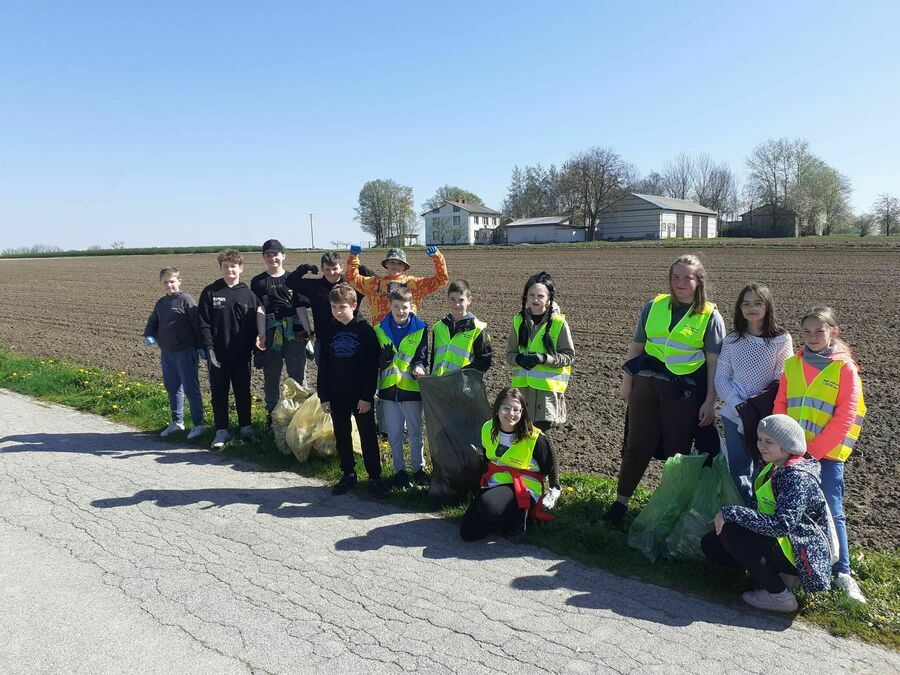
(403, 338)
(348, 366)
(282, 320)
(227, 320)
(377, 289)
(173, 327)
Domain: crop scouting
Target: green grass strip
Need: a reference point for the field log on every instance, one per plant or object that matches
(576, 534)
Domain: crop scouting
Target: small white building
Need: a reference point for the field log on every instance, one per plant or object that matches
(637, 216)
(549, 229)
(460, 222)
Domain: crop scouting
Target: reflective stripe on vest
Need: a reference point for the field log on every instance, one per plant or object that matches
(813, 405)
(542, 376)
(398, 374)
(681, 349)
(454, 353)
(765, 504)
(519, 456)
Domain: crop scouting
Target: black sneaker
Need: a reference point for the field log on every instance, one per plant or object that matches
(269, 420)
(378, 488)
(615, 514)
(401, 480)
(421, 479)
(347, 481)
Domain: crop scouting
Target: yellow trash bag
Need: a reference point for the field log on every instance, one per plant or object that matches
(311, 430)
(292, 396)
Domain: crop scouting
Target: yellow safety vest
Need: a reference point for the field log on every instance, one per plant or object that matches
(519, 456)
(454, 353)
(813, 406)
(765, 504)
(542, 376)
(399, 372)
(681, 349)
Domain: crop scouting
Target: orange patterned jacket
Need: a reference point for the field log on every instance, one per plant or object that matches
(376, 289)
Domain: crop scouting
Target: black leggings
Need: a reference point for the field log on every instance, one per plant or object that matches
(739, 548)
(495, 507)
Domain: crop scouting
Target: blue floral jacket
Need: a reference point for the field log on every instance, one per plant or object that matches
(800, 515)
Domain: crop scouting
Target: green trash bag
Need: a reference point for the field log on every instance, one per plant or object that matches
(714, 490)
(653, 525)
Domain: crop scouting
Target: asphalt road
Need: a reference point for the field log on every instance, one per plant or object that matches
(119, 553)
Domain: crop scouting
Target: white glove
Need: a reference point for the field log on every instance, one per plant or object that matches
(213, 360)
(550, 497)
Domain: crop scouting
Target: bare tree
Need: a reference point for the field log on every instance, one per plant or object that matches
(593, 179)
(887, 212)
(651, 184)
(678, 177)
(865, 224)
(833, 190)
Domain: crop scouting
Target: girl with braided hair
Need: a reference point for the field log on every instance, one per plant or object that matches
(541, 353)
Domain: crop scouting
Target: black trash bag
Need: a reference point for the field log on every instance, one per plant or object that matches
(455, 408)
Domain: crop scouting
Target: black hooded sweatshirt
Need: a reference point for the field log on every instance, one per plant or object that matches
(227, 320)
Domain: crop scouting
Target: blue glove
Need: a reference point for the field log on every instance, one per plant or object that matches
(431, 250)
(201, 353)
(355, 250)
(149, 341)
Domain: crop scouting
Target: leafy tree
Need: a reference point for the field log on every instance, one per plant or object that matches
(450, 193)
(386, 210)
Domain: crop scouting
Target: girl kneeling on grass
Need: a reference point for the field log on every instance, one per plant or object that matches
(518, 458)
(821, 389)
(669, 370)
(541, 353)
(786, 535)
(752, 361)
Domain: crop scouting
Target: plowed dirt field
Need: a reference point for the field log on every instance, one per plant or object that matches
(93, 311)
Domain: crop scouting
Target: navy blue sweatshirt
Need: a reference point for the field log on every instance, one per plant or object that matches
(227, 320)
(348, 361)
(173, 323)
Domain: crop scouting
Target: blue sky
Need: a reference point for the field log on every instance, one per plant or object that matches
(182, 122)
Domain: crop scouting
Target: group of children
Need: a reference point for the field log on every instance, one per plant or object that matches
(790, 420)
(679, 362)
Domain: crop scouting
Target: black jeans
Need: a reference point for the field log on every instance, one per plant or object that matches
(739, 548)
(234, 375)
(341, 412)
(495, 507)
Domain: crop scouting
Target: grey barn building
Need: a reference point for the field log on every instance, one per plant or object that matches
(638, 216)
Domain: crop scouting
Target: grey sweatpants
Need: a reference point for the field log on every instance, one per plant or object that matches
(398, 414)
(292, 353)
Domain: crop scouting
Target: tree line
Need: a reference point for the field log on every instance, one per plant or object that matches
(781, 174)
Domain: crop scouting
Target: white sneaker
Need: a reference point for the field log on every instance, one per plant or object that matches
(222, 437)
(173, 427)
(246, 433)
(847, 583)
(762, 599)
(310, 350)
(197, 431)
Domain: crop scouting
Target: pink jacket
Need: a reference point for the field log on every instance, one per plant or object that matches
(844, 416)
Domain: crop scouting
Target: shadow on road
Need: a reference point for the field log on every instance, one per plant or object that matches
(639, 600)
(125, 445)
(289, 502)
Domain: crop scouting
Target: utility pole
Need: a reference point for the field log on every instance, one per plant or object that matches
(312, 235)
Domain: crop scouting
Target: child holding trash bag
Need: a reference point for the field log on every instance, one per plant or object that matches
(821, 389)
(786, 535)
(518, 458)
(669, 370)
(750, 364)
(541, 353)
